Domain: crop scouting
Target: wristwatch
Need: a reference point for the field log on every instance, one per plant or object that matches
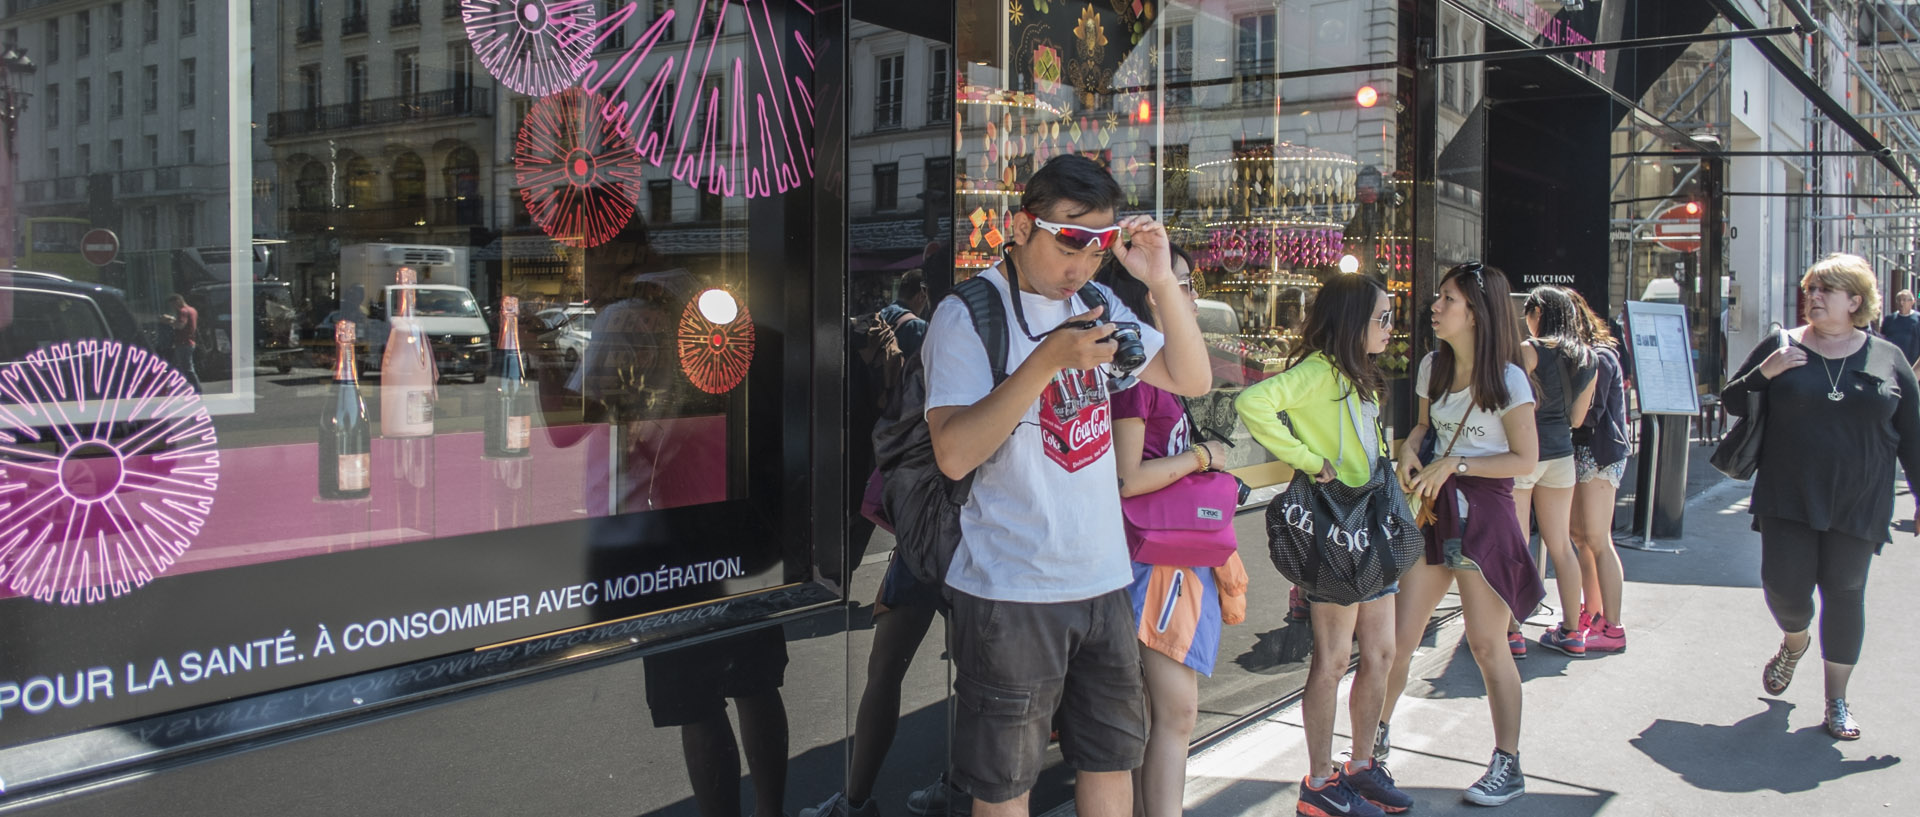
(1461, 469)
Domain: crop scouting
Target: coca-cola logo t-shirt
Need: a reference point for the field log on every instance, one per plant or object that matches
(1043, 521)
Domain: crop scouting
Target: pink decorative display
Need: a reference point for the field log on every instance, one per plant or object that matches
(108, 466)
(752, 136)
(536, 47)
(580, 180)
(716, 341)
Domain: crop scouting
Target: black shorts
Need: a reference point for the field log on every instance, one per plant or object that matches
(1015, 664)
(692, 684)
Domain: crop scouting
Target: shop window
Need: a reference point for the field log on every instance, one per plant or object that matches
(461, 174)
(886, 187)
(149, 88)
(360, 183)
(888, 85)
(82, 101)
(409, 179)
(310, 189)
(82, 33)
(660, 201)
(1254, 39)
(189, 81)
(940, 90)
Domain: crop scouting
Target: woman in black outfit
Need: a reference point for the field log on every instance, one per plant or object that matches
(1841, 405)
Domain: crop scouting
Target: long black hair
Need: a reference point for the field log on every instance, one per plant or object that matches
(1560, 324)
(1132, 292)
(1496, 337)
(1337, 326)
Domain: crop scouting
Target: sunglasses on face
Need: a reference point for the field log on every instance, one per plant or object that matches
(1385, 320)
(1476, 268)
(1074, 237)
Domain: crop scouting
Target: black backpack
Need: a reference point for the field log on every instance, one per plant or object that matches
(919, 501)
(877, 348)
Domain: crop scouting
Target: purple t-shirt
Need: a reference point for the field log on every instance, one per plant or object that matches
(1166, 417)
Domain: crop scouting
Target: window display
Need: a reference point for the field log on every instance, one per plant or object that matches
(372, 355)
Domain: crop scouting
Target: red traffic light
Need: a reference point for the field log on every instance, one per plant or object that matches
(1367, 96)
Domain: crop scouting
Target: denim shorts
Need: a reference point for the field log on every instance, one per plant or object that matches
(1454, 559)
(1585, 469)
(1384, 592)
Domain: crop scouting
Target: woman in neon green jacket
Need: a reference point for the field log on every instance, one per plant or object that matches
(1332, 393)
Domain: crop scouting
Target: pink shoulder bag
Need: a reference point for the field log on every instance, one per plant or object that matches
(1186, 524)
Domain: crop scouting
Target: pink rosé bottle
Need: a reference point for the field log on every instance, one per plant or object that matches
(407, 371)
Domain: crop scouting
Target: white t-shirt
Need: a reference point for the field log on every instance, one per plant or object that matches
(1484, 436)
(1043, 522)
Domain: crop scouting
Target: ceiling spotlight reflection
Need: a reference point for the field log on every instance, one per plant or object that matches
(719, 307)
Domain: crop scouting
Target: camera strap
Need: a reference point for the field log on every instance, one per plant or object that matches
(1089, 295)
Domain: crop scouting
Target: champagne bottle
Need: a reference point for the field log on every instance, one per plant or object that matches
(346, 438)
(407, 370)
(510, 407)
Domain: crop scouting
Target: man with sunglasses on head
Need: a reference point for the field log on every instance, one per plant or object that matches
(1041, 617)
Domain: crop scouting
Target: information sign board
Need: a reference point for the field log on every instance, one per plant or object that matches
(1662, 358)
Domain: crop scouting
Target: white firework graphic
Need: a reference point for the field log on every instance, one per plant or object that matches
(536, 47)
(751, 135)
(108, 466)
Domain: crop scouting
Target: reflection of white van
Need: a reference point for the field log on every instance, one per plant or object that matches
(1217, 318)
(1667, 291)
(462, 341)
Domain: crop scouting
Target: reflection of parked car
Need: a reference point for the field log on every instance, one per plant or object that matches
(564, 332)
(42, 309)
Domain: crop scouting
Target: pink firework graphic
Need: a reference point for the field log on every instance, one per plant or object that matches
(580, 180)
(108, 466)
(716, 341)
(536, 47)
(732, 118)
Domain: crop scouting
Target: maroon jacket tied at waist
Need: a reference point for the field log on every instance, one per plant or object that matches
(1490, 536)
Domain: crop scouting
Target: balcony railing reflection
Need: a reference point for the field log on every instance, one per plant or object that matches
(307, 33)
(405, 15)
(391, 110)
(469, 211)
(450, 9)
(353, 23)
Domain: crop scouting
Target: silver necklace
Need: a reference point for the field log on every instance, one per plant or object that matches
(1833, 380)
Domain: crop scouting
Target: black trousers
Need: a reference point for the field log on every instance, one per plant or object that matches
(1794, 561)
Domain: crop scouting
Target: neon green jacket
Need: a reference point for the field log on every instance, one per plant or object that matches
(1310, 393)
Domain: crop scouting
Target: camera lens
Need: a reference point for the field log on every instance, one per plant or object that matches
(1130, 353)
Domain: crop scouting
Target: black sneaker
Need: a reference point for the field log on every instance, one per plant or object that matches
(1380, 745)
(1375, 784)
(1502, 782)
(1335, 799)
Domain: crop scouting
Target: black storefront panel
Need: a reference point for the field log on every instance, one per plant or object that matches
(459, 338)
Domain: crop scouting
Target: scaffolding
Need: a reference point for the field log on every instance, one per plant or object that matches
(1870, 50)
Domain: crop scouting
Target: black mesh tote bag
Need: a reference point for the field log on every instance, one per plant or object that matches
(1339, 543)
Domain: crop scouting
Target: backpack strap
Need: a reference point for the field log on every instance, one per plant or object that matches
(1091, 296)
(989, 312)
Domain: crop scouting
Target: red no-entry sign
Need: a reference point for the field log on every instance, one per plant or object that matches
(99, 247)
(1677, 229)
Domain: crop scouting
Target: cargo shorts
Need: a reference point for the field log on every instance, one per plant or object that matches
(1016, 663)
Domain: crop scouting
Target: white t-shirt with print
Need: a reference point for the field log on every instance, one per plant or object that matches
(1485, 435)
(1043, 523)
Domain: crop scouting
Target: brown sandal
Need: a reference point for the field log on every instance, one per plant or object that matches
(1779, 671)
(1840, 722)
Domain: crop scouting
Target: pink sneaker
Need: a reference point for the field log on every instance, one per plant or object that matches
(1586, 618)
(1606, 637)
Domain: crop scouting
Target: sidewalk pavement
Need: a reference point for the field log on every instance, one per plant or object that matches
(1676, 725)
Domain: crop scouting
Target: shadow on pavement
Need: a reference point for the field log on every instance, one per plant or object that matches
(1279, 648)
(1270, 797)
(1757, 753)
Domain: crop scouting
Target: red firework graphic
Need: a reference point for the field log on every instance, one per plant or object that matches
(716, 341)
(580, 180)
(751, 137)
(536, 47)
(108, 466)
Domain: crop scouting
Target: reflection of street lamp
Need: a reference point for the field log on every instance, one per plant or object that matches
(13, 102)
